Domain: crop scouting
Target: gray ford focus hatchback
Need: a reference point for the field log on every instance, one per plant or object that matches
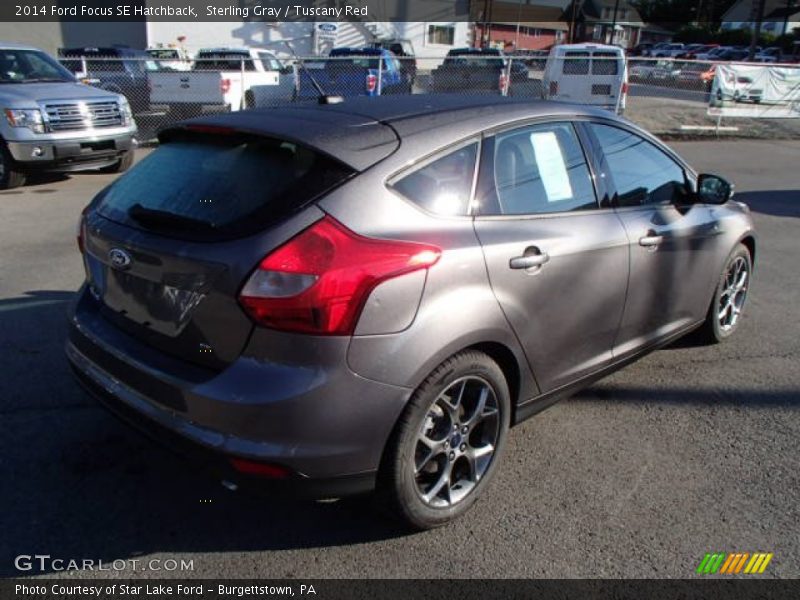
(333, 299)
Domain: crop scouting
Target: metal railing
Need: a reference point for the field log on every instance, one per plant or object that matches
(666, 96)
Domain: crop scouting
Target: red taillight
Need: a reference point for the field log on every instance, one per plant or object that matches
(625, 88)
(259, 469)
(318, 281)
(225, 85)
(80, 230)
(372, 82)
(503, 83)
(554, 88)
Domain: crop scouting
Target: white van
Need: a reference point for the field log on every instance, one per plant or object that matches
(587, 74)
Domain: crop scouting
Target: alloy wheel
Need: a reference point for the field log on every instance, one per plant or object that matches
(456, 442)
(734, 292)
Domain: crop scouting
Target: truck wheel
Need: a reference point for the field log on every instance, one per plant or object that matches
(122, 165)
(249, 99)
(10, 174)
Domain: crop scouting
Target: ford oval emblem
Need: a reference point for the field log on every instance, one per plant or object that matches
(329, 27)
(120, 259)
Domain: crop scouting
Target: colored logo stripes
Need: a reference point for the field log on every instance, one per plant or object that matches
(734, 563)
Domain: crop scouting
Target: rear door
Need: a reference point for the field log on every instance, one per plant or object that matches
(673, 241)
(557, 260)
(170, 243)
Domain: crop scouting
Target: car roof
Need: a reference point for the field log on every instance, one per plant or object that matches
(362, 131)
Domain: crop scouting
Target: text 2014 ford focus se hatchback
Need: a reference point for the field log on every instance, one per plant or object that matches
(366, 295)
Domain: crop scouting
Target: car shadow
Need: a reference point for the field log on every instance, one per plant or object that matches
(681, 396)
(781, 203)
(80, 484)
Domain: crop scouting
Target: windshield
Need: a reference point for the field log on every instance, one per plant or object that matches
(218, 188)
(30, 66)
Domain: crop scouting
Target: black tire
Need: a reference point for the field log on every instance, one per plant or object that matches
(11, 175)
(401, 487)
(122, 165)
(249, 100)
(713, 331)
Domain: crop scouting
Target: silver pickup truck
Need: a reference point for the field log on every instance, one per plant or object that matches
(50, 122)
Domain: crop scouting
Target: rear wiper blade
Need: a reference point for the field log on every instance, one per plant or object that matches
(152, 217)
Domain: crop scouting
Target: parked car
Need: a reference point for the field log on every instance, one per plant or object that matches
(668, 51)
(713, 53)
(592, 74)
(655, 48)
(404, 51)
(53, 123)
(224, 79)
(345, 311)
(478, 70)
(693, 50)
(654, 71)
(689, 51)
(171, 59)
(772, 54)
(354, 72)
(732, 55)
(533, 59)
(117, 69)
(640, 49)
(697, 75)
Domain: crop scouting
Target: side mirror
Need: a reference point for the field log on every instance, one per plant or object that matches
(713, 189)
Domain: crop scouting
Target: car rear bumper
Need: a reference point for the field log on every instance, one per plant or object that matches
(329, 429)
(72, 154)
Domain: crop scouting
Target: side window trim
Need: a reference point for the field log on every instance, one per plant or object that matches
(603, 184)
(485, 185)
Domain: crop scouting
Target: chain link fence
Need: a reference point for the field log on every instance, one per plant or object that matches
(669, 97)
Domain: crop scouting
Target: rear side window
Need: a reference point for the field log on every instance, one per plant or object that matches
(219, 189)
(605, 63)
(540, 169)
(443, 186)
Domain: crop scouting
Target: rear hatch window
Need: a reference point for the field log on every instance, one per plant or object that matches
(220, 188)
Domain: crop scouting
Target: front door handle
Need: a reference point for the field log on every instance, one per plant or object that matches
(651, 240)
(532, 257)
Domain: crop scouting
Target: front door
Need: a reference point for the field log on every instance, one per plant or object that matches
(672, 239)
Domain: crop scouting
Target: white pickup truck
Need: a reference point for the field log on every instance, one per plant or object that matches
(224, 79)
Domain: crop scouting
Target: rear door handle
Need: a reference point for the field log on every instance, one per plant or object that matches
(651, 240)
(532, 257)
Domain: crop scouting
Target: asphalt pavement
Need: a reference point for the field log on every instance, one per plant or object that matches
(690, 450)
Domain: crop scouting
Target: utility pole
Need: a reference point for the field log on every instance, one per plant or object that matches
(614, 21)
(756, 29)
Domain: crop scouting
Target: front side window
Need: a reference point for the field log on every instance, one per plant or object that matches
(642, 174)
(540, 169)
(443, 186)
